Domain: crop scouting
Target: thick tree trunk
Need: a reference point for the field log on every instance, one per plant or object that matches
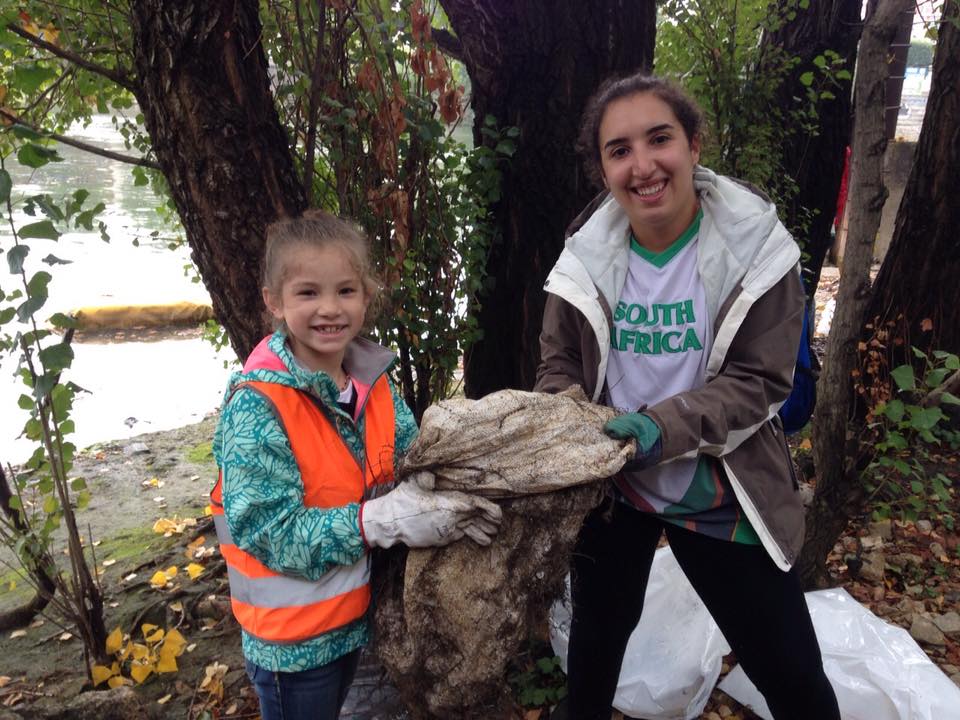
(532, 65)
(205, 94)
(815, 162)
(923, 262)
(835, 438)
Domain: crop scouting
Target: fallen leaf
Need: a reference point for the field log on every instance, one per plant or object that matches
(5, 680)
(114, 641)
(65, 636)
(177, 606)
(37, 623)
(102, 673)
(194, 570)
(165, 699)
(17, 634)
(108, 563)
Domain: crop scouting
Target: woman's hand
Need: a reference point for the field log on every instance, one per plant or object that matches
(644, 430)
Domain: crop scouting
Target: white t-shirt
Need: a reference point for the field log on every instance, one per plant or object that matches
(660, 341)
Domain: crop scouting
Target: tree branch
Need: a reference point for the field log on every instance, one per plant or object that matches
(124, 80)
(448, 42)
(950, 385)
(79, 144)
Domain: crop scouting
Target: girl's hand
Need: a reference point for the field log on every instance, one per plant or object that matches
(419, 517)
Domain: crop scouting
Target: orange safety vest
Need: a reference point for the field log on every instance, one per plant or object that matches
(285, 609)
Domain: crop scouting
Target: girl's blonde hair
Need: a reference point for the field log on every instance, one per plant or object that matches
(319, 229)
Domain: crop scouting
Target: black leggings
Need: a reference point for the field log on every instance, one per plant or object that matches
(759, 608)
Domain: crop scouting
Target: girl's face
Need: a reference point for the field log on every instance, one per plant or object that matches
(323, 303)
(647, 162)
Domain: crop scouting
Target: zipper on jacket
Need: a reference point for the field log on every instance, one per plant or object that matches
(782, 437)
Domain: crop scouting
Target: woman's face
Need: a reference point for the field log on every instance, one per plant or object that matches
(647, 162)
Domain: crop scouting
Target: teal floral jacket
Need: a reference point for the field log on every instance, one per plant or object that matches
(263, 490)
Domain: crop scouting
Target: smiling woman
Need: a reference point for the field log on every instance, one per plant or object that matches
(695, 282)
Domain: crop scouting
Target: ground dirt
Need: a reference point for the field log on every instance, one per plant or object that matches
(41, 669)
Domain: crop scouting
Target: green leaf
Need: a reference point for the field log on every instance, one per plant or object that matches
(25, 402)
(903, 377)
(820, 61)
(50, 504)
(83, 499)
(36, 295)
(43, 229)
(7, 314)
(926, 418)
(806, 79)
(843, 75)
(949, 399)
(54, 260)
(35, 156)
(15, 258)
(5, 185)
(894, 410)
(56, 357)
(62, 321)
(30, 76)
(78, 484)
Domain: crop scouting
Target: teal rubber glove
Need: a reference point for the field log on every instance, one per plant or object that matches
(644, 430)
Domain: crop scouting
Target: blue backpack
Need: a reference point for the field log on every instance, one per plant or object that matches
(796, 411)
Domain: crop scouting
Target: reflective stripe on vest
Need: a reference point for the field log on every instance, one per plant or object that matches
(281, 608)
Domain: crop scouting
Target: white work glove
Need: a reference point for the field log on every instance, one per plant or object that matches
(417, 516)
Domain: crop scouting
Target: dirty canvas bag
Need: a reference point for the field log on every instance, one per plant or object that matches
(449, 620)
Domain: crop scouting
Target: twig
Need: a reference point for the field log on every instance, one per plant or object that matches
(122, 79)
(80, 145)
(950, 385)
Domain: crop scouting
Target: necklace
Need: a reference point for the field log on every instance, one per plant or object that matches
(346, 381)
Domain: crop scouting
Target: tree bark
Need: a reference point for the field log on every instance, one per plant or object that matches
(918, 279)
(839, 493)
(532, 65)
(815, 162)
(205, 94)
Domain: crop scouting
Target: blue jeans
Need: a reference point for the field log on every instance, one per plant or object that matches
(315, 694)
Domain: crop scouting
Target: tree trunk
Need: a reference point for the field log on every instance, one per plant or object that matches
(815, 162)
(533, 64)
(839, 493)
(923, 261)
(204, 91)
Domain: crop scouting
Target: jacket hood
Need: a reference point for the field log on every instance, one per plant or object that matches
(272, 361)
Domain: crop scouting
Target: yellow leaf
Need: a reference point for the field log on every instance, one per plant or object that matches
(171, 571)
(159, 579)
(116, 681)
(805, 444)
(126, 652)
(5, 680)
(154, 637)
(101, 673)
(140, 652)
(165, 699)
(176, 606)
(164, 525)
(147, 628)
(207, 510)
(50, 34)
(194, 570)
(166, 663)
(174, 641)
(140, 672)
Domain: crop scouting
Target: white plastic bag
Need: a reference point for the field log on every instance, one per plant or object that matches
(674, 655)
(876, 669)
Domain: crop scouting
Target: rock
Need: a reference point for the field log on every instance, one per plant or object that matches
(923, 630)
(850, 544)
(902, 560)
(949, 623)
(873, 566)
(871, 542)
(924, 526)
(121, 703)
(914, 590)
(137, 448)
(882, 529)
(937, 550)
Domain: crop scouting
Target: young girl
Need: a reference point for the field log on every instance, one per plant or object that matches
(678, 299)
(306, 445)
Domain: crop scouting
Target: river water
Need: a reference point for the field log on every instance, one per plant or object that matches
(134, 387)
